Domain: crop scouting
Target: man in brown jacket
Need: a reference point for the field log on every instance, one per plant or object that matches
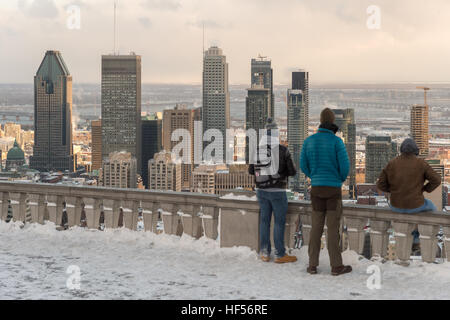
(404, 178)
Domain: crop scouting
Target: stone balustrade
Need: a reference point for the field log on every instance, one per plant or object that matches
(234, 222)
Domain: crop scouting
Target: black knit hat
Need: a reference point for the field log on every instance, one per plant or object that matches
(409, 146)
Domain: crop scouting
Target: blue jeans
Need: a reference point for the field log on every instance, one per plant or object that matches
(277, 203)
(427, 206)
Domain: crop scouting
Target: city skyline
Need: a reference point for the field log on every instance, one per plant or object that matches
(157, 30)
(199, 145)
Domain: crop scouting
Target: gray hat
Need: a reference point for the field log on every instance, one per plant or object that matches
(271, 124)
(409, 146)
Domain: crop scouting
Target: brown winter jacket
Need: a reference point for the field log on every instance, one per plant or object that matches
(404, 178)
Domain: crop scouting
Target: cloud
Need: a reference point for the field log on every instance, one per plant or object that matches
(165, 5)
(328, 37)
(145, 22)
(39, 8)
(209, 24)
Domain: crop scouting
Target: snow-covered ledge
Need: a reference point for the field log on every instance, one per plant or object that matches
(234, 221)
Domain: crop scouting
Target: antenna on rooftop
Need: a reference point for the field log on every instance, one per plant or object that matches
(203, 41)
(115, 25)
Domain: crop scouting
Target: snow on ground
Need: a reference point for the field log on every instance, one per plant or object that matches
(125, 264)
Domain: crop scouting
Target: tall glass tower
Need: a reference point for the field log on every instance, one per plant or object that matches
(298, 121)
(261, 68)
(216, 96)
(53, 116)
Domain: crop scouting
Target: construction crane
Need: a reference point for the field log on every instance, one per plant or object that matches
(425, 89)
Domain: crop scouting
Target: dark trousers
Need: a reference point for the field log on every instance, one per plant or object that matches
(326, 203)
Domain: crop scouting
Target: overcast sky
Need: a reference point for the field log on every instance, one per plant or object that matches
(329, 38)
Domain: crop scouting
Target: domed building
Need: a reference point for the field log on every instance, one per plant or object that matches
(15, 158)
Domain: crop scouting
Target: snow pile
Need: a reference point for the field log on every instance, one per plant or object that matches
(125, 264)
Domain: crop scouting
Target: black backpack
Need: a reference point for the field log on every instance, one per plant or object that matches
(263, 178)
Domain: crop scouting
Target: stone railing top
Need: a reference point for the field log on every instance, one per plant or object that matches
(110, 193)
(210, 200)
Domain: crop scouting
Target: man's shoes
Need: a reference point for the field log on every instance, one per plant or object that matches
(336, 271)
(286, 259)
(311, 270)
(265, 258)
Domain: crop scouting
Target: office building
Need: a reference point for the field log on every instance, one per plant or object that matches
(437, 166)
(96, 144)
(379, 151)
(216, 96)
(203, 177)
(257, 110)
(151, 141)
(53, 150)
(181, 118)
(419, 128)
(14, 130)
(121, 105)
(297, 124)
(236, 177)
(261, 67)
(345, 120)
(218, 178)
(163, 173)
(119, 170)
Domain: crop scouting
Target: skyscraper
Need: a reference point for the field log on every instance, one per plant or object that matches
(345, 120)
(257, 110)
(216, 97)
(419, 128)
(298, 121)
(151, 141)
(121, 105)
(261, 67)
(53, 148)
(180, 118)
(379, 151)
(96, 145)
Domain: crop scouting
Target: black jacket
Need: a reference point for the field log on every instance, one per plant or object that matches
(286, 168)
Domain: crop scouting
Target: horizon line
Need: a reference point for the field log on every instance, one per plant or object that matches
(321, 83)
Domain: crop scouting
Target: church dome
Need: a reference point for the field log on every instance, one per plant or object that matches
(15, 153)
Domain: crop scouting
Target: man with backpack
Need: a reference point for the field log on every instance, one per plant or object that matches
(271, 170)
(324, 160)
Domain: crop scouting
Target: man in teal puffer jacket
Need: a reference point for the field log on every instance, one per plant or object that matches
(324, 160)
